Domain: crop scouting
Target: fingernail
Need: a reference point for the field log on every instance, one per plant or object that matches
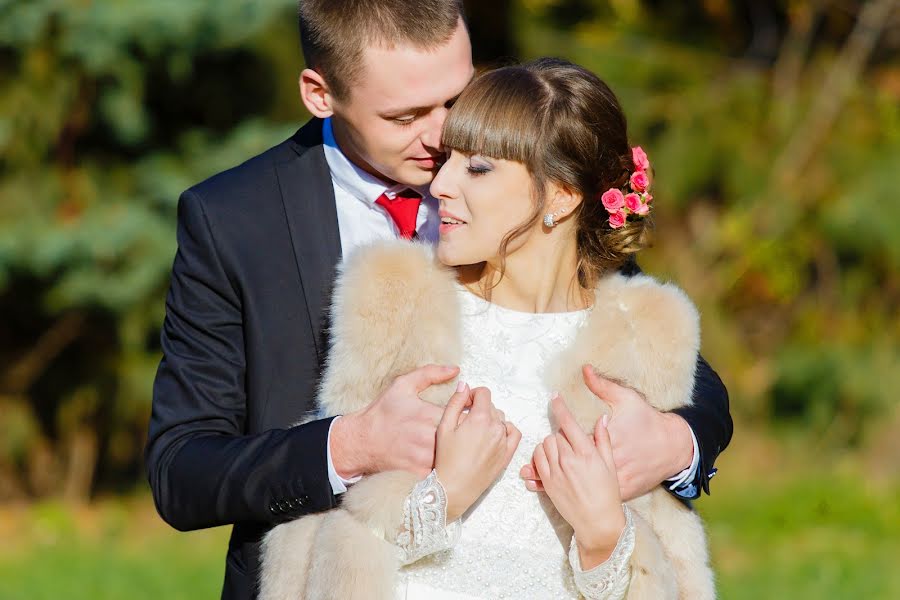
(605, 420)
(530, 485)
(460, 386)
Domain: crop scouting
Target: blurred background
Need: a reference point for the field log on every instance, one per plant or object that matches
(774, 129)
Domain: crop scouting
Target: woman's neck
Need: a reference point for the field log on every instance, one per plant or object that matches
(539, 277)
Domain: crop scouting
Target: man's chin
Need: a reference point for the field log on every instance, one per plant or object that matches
(415, 176)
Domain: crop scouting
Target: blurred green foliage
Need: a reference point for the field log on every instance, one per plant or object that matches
(775, 137)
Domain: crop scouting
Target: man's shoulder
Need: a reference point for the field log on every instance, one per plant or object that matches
(256, 179)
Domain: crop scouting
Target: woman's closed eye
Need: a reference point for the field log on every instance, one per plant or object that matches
(477, 167)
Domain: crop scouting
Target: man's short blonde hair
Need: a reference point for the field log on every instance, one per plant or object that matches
(334, 33)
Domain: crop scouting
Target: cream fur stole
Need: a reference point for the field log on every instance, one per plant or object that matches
(395, 308)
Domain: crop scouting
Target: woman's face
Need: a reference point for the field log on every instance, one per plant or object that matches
(482, 200)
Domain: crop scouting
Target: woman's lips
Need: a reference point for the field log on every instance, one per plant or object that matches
(449, 222)
(448, 227)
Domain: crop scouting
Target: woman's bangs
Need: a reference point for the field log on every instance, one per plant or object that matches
(497, 116)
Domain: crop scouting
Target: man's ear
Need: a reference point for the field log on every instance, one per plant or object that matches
(315, 94)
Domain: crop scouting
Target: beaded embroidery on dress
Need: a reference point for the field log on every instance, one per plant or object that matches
(512, 543)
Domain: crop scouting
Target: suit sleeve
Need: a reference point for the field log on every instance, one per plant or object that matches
(708, 416)
(710, 420)
(204, 470)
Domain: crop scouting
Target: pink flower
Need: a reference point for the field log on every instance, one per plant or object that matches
(639, 157)
(642, 209)
(617, 219)
(639, 181)
(632, 202)
(647, 198)
(613, 200)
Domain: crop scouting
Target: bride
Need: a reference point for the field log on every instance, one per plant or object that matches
(542, 202)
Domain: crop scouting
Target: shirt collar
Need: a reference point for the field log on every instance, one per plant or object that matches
(353, 180)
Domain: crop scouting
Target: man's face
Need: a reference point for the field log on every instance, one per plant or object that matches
(390, 125)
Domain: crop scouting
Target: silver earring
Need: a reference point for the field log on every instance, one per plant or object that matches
(549, 218)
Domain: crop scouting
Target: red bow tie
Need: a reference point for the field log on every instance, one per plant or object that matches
(404, 210)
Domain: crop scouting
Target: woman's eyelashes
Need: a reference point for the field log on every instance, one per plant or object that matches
(476, 168)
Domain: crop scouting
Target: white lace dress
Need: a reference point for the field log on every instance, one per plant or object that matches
(506, 545)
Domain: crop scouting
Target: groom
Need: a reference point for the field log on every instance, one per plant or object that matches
(244, 336)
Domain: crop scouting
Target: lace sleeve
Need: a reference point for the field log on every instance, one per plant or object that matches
(609, 580)
(425, 530)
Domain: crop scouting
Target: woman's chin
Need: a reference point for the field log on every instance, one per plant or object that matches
(450, 256)
(445, 255)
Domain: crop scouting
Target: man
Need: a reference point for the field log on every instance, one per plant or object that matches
(244, 341)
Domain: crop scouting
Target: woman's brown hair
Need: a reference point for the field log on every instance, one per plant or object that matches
(567, 127)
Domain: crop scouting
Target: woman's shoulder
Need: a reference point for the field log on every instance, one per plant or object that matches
(657, 313)
(641, 295)
(645, 333)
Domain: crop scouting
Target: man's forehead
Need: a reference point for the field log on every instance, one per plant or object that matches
(402, 77)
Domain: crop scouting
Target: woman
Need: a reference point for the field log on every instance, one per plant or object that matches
(542, 202)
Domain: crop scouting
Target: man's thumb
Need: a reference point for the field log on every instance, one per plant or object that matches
(424, 377)
(601, 387)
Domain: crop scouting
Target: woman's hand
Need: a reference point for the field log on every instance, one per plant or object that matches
(471, 450)
(579, 476)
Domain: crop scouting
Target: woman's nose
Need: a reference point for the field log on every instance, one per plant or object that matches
(442, 184)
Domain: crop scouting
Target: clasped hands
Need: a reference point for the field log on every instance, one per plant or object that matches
(577, 473)
(640, 448)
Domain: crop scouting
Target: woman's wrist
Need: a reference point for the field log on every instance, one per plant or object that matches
(596, 544)
(454, 507)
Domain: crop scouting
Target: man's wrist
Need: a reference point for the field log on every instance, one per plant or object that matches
(347, 435)
(682, 448)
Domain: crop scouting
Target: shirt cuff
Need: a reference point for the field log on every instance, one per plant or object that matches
(338, 483)
(687, 476)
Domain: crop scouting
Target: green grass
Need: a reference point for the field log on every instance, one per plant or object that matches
(810, 534)
(111, 551)
(815, 537)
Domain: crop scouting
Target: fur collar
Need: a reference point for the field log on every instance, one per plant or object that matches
(396, 308)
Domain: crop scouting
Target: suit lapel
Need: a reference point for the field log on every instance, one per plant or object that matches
(309, 205)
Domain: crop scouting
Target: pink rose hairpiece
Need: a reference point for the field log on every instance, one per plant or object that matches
(632, 201)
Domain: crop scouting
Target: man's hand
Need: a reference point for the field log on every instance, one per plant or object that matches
(395, 432)
(648, 446)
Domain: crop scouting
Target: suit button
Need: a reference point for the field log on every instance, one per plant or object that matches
(304, 500)
(294, 503)
(273, 508)
(284, 506)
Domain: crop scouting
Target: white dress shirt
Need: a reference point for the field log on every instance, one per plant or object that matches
(361, 221)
